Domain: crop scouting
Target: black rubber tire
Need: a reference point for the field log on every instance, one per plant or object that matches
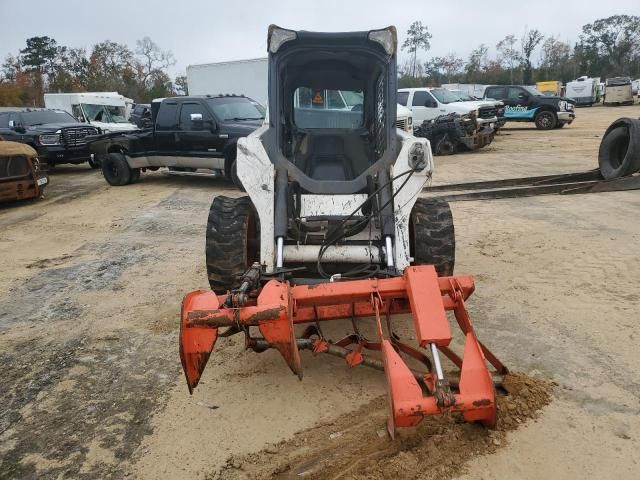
(232, 241)
(432, 239)
(619, 153)
(234, 176)
(546, 120)
(116, 170)
(94, 162)
(560, 125)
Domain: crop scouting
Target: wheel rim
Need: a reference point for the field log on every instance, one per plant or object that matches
(546, 120)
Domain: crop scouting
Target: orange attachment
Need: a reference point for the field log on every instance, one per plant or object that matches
(413, 394)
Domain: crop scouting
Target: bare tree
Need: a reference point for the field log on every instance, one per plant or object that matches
(451, 64)
(153, 60)
(477, 61)
(530, 41)
(418, 37)
(509, 55)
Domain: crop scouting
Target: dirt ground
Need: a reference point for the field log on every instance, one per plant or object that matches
(91, 281)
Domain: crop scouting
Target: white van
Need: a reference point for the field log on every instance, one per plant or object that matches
(105, 110)
(429, 103)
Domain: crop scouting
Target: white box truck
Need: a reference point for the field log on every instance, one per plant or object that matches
(249, 78)
(105, 110)
(242, 77)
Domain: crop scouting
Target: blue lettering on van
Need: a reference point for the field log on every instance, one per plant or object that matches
(519, 111)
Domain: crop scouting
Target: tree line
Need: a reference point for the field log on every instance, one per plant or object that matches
(44, 66)
(608, 47)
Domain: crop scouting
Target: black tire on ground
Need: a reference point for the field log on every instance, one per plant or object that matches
(116, 170)
(560, 125)
(546, 120)
(432, 238)
(234, 176)
(232, 241)
(94, 162)
(619, 153)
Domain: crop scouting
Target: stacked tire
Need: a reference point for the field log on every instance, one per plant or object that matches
(619, 154)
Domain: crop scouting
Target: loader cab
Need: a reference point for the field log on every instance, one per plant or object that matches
(335, 94)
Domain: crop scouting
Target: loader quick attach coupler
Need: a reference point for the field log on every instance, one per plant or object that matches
(420, 294)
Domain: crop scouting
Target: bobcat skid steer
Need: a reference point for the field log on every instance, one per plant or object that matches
(332, 227)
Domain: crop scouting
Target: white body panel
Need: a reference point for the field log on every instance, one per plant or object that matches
(242, 77)
(257, 174)
(69, 102)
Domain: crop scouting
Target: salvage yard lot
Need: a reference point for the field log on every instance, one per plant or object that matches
(92, 277)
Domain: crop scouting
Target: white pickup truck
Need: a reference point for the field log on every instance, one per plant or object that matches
(429, 103)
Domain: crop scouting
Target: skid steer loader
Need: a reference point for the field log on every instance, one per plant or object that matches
(332, 227)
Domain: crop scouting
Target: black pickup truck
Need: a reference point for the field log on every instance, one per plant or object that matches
(526, 104)
(54, 134)
(187, 133)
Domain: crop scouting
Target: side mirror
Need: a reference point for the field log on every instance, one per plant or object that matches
(196, 117)
(430, 104)
(81, 119)
(523, 96)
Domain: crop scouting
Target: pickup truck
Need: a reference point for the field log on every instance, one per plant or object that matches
(187, 133)
(430, 103)
(526, 104)
(55, 135)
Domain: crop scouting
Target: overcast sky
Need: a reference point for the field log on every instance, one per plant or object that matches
(203, 31)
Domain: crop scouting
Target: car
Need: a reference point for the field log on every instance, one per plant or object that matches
(430, 103)
(141, 115)
(55, 135)
(526, 104)
(188, 133)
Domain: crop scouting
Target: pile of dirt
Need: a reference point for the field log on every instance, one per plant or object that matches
(356, 445)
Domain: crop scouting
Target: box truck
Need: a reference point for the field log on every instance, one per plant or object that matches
(249, 78)
(105, 110)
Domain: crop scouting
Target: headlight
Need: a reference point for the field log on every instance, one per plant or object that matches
(563, 105)
(410, 121)
(50, 139)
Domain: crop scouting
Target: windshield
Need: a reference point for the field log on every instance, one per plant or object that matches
(463, 96)
(324, 108)
(352, 98)
(445, 96)
(236, 109)
(46, 116)
(104, 113)
(532, 91)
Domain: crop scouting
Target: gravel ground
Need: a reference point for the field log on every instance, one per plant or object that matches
(92, 277)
